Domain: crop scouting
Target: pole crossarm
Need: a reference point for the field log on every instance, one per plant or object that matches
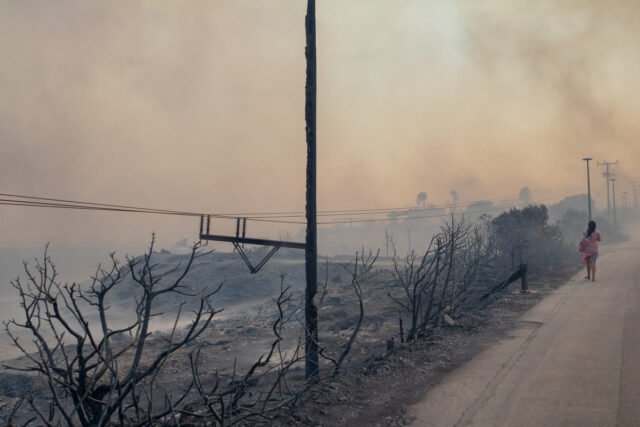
(240, 239)
(252, 241)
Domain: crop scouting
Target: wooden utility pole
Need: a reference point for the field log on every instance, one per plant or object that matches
(634, 186)
(624, 211)
(607, 175)
(615, 218)
(586, 159)
(311, 242)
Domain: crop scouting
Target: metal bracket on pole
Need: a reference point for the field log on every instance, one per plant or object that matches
(246, 260)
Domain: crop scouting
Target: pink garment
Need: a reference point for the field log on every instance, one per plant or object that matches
(589, 245)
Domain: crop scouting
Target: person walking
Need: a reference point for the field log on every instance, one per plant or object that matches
(589, 248)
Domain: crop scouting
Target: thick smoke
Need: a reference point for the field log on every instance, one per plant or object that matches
(199, 105)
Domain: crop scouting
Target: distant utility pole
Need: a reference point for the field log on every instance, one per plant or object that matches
(607, 175)
(634, 186)
(624, 210)
(311, 251)
(615, 219)
(588, 185)
(386, 239)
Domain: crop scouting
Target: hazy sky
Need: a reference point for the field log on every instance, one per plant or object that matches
(199, 106)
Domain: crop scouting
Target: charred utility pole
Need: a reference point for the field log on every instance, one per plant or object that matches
(588, 185)
(311, 250)
(607, 175)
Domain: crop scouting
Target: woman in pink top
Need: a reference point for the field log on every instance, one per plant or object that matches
(589, 248)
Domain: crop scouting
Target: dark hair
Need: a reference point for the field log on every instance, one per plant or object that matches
(591, 227)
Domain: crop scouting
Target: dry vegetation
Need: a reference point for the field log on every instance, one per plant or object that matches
(82, 366)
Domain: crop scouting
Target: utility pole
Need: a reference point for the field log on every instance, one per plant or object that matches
(386, 239)
(311, 370)
(588, 185)
(607, 175)
(624, 211)
(634, 187)
(615, 219)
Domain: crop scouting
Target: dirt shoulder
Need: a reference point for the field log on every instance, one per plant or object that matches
(379, 393)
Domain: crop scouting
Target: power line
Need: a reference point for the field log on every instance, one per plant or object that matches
(117, 208)
(75, 203)
(9, 199)
(373, 211)
(355, 221)
(255, 215)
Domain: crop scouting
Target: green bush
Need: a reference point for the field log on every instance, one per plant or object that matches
(525, 236)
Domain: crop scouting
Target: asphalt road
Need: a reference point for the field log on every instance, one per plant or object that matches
(574, 360)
